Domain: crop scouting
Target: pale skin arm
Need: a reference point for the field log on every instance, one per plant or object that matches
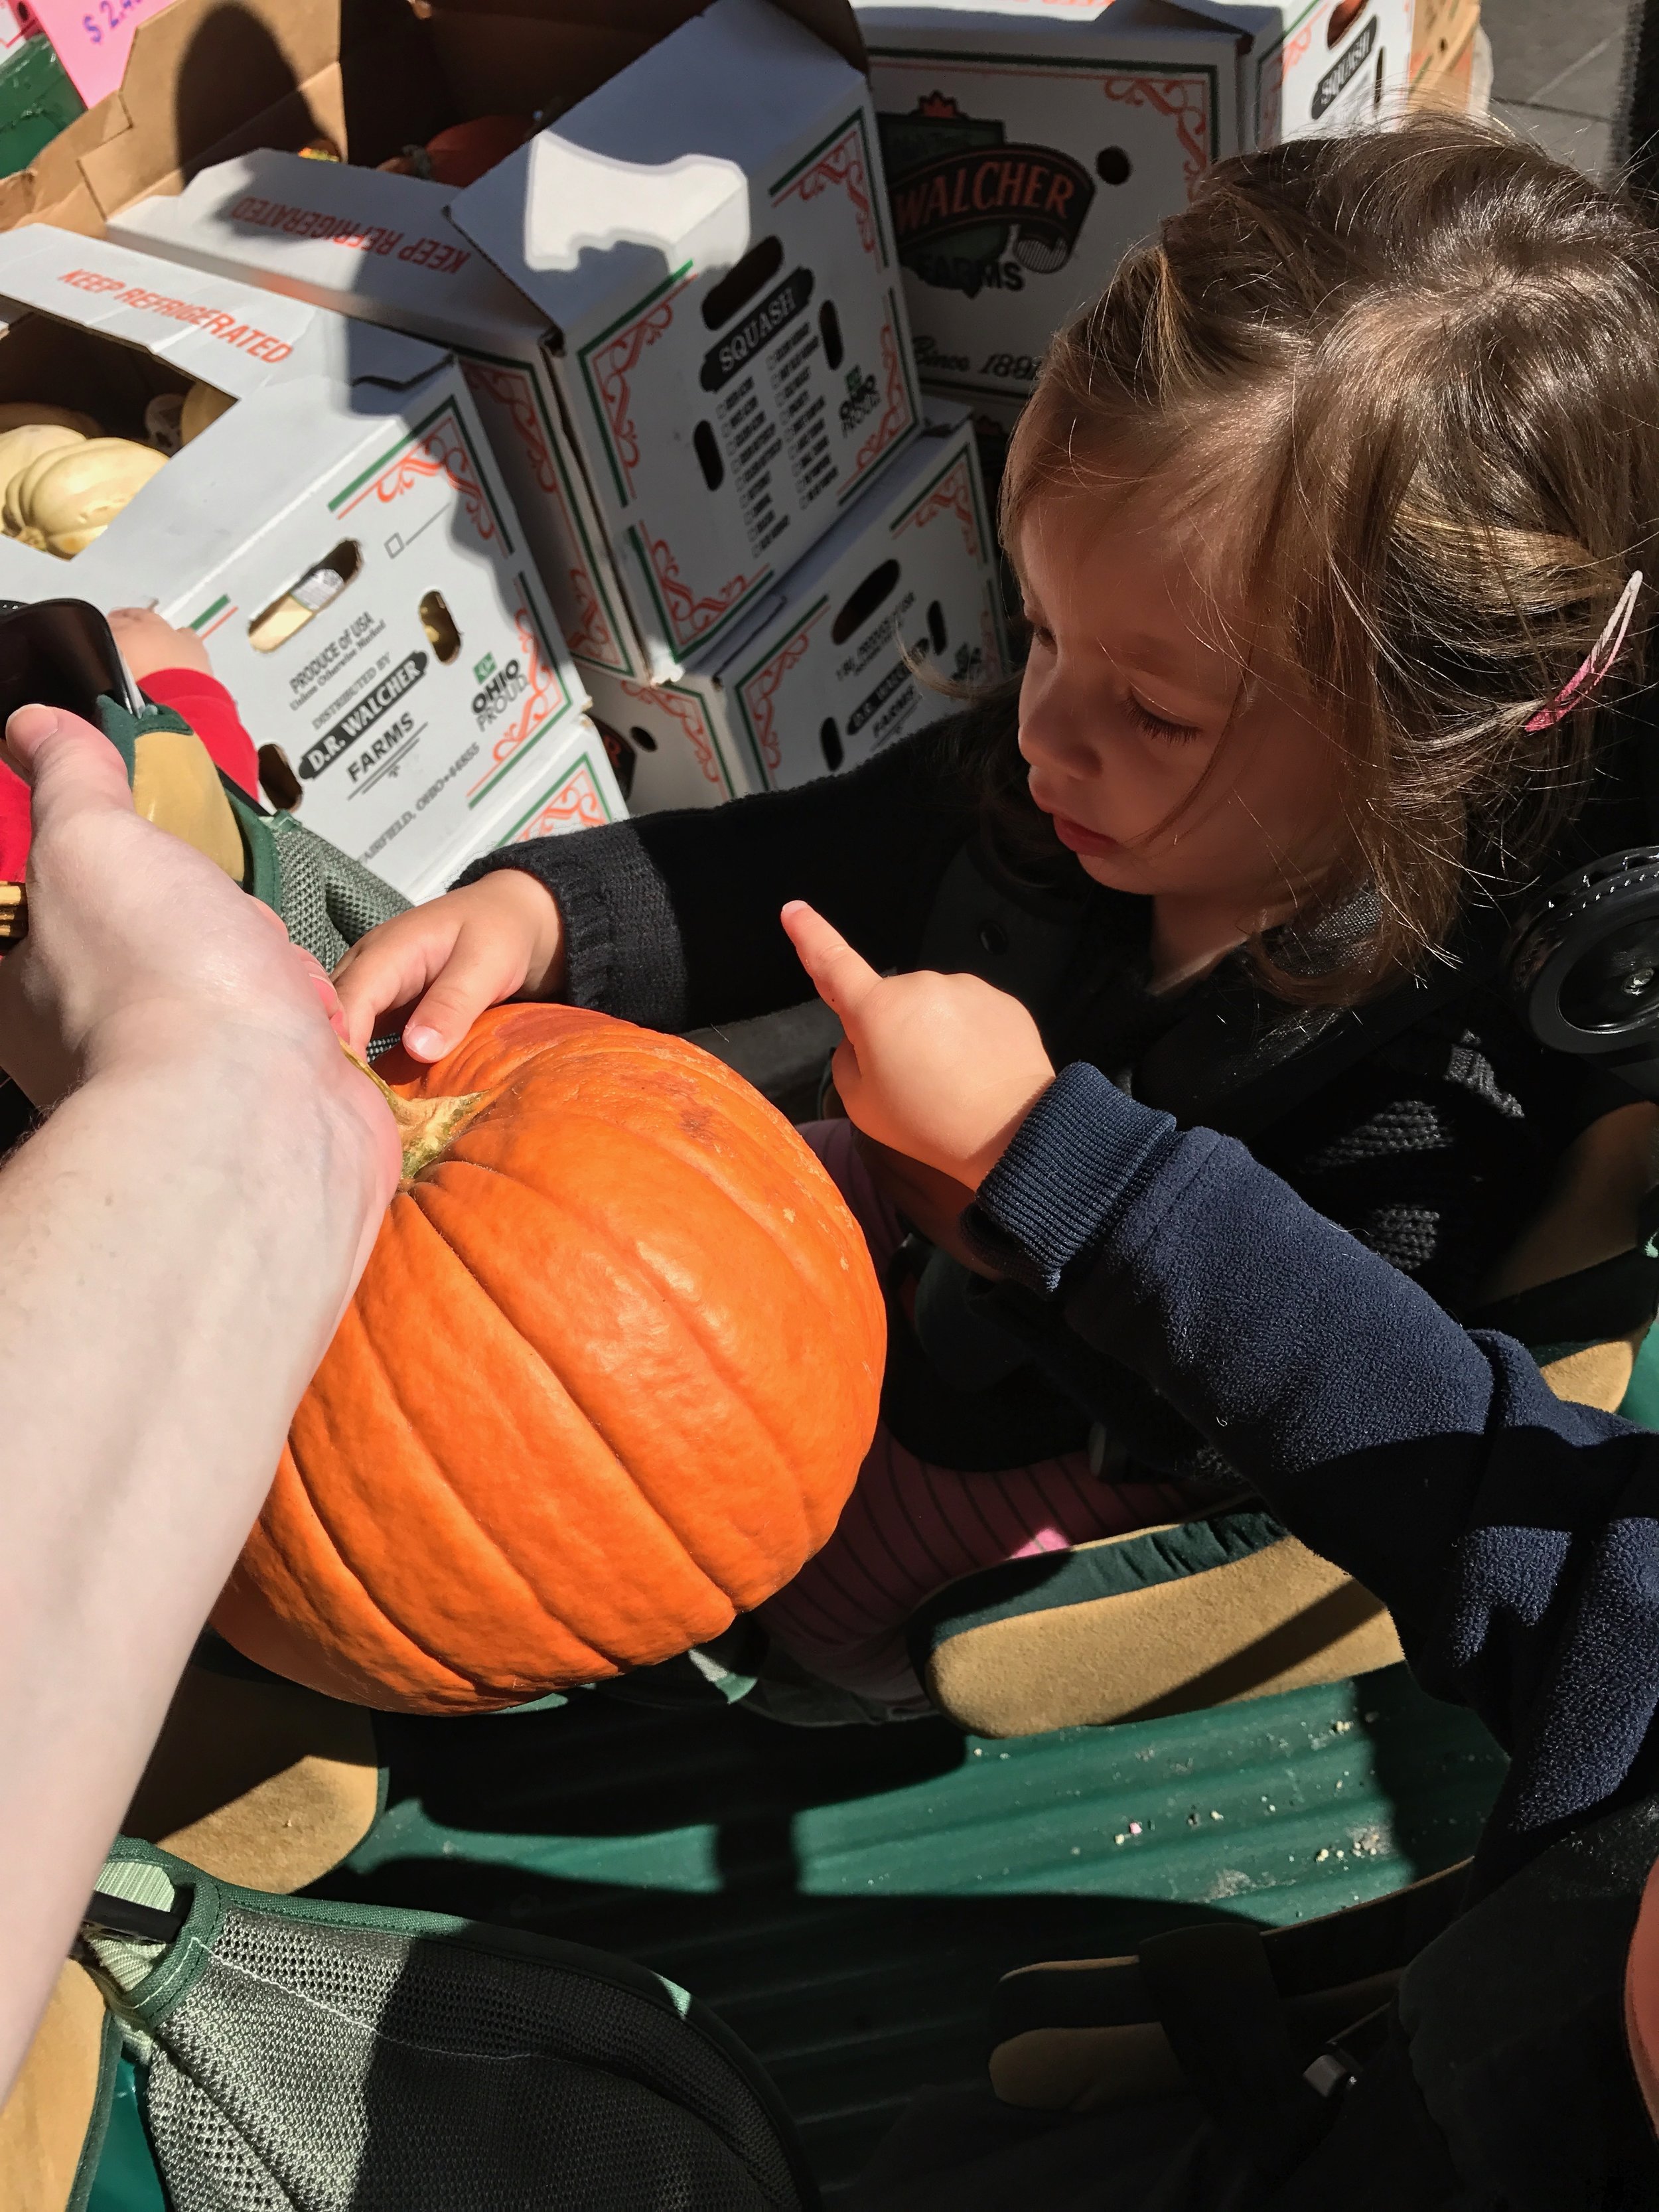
(179, 1242)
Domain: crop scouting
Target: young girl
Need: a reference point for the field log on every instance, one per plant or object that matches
(1318, 512)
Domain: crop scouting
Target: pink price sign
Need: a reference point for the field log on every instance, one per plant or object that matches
(92, 38)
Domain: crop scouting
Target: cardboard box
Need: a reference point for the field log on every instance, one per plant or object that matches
(1026, 147)
(835, 666)
(383, 250)
(206, 80)
(339, 538)
(1440, 31)
(1030, 143)
(1461, 84)
(1314, 71)
(588, 393)
(726, 347)
(574, 788)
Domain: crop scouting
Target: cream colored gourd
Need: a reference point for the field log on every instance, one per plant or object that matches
(203, 405)
(17, 414)
(19, 450)
(68, 499)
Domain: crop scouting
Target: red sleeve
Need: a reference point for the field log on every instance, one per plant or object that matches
(14, 826)
(203, 703)
(211, 713)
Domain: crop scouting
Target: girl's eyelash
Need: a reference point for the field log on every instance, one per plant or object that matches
(1155, 725)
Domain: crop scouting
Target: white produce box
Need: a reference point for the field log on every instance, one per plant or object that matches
(383, 250)
(674, 435)
(426, 680)
(725, 345)
(835, 665)
(574, 787)
(1029, 143)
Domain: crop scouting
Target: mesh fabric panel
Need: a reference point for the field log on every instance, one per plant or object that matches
(327, 900)
(315, 2068)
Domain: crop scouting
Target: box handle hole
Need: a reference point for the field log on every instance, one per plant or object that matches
(439, 625)
(318, 588)
(863, 602)
(740, 282)
(709, 458)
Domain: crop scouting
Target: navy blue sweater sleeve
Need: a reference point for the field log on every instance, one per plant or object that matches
(671, 920)
(1514, 1538)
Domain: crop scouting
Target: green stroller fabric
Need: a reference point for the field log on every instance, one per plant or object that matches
(294, 2055)
(326, 900)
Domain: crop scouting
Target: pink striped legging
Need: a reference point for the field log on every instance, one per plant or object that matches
(910, 1527)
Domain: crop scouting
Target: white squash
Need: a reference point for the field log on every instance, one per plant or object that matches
(18, 449)
(67, 499)
(15, 414)
(203, 405)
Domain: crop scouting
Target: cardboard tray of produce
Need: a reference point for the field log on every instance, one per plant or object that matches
(339, 537)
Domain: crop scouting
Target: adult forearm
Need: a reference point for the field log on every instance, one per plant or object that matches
(180, 1239)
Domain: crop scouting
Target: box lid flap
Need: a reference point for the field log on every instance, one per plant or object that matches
(577, 217)
(883, 20)
(379, 247)
(228, 334)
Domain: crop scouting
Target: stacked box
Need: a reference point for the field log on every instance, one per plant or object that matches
(339, 537)
(879, 631)
(1446, 55)
(1029, 143)
(1441, 29)
(678, 308)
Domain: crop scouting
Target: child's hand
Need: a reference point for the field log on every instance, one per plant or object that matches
(147, 643)
(942, 1068)
(500, 938)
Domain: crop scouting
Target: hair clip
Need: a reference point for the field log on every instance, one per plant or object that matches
(1595, 664)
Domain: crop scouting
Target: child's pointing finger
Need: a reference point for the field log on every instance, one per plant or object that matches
(843, 978)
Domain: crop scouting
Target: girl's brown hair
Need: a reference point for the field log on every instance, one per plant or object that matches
(1425, 363)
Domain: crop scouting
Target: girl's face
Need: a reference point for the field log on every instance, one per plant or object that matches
(1142, 673)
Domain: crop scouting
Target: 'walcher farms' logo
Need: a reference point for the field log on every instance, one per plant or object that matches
(961, 195)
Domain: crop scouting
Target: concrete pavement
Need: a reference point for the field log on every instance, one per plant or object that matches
(1556, 73)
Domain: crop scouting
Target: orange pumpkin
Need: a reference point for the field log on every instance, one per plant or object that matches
(607, 1380)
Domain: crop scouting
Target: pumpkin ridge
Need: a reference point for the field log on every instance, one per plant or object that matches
(441, 1481)
(300, 1490)
(683, 1318)
(781, 1453)
(828, 1199)
(380, 1601)
(622, 1469)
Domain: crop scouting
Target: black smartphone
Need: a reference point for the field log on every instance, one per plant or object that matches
(60, 653)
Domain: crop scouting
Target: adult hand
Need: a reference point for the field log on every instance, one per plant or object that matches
(442, 963)
(138, 949)
(941, 1068)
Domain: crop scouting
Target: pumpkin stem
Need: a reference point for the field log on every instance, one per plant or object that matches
(425, 1126)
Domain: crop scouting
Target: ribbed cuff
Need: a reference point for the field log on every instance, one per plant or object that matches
(1075, 1163)
(622, 938)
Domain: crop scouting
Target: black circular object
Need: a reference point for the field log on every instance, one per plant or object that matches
(1113, 166)
(1584, 962)
(993, 937)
